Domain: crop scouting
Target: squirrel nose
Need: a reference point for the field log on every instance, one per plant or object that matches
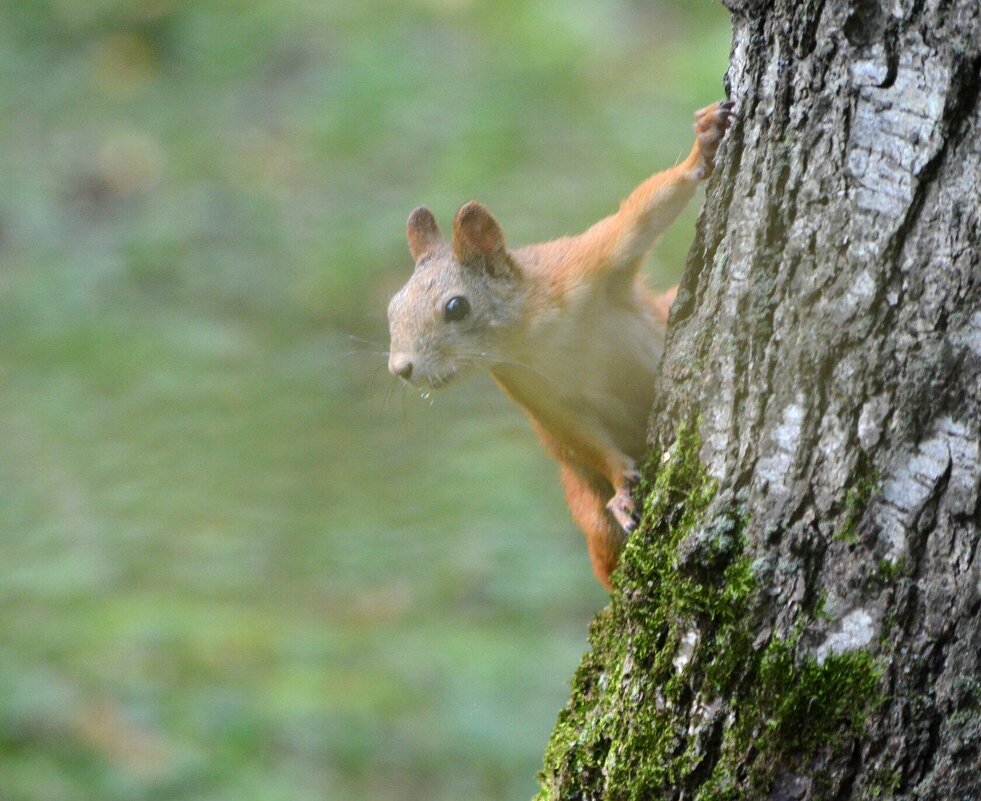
(401, 366)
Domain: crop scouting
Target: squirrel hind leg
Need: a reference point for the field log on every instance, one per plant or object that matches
(587, 497)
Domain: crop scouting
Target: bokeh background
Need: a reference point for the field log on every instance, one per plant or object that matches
(237, 561)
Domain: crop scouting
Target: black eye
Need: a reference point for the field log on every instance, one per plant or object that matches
(456, 309)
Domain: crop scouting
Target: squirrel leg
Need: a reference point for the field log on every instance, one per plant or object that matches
(586, 493)
(619, 242)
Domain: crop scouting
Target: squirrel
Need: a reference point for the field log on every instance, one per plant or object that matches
(566, 328)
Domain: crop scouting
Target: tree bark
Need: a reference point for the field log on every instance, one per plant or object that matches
(798, 615)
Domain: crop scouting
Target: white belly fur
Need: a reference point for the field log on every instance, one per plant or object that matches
(597, 360)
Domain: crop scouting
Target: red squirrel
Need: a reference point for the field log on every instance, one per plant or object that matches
(567, 329)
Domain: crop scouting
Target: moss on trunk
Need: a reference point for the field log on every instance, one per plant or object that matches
(678, 689)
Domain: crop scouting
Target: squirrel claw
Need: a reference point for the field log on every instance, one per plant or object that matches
(622, 507)
(711, 124)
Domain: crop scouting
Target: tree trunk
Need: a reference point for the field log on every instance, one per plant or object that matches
(798, 615)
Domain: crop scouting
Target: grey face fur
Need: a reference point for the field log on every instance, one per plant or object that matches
(429, 348)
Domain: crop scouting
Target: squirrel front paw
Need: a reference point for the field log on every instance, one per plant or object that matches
(622, 505)
(711, 124)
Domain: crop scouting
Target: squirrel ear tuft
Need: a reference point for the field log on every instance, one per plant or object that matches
(422, 232)
(476, 232)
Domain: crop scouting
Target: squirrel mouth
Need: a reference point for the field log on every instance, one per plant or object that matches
(439, 380)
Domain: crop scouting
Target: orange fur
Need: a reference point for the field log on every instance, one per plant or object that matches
(597, 433)
(570, 332)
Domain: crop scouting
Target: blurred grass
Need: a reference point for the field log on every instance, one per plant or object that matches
(236, 561)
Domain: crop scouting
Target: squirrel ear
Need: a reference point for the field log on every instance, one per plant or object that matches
(476, 232)
(422, 232)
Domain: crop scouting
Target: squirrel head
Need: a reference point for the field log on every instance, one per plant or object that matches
(463, 299)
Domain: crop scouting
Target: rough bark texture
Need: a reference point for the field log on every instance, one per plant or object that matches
(798, 615)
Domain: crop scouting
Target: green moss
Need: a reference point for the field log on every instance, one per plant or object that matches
(790, 708)
(857, 500)
(804, 703)
(884, 785)
(820, 611)
(889, 572)
(676, 691)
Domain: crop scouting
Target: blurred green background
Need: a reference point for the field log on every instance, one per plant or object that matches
(237, 561)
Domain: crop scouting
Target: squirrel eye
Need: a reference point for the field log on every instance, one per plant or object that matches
(456, 309)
